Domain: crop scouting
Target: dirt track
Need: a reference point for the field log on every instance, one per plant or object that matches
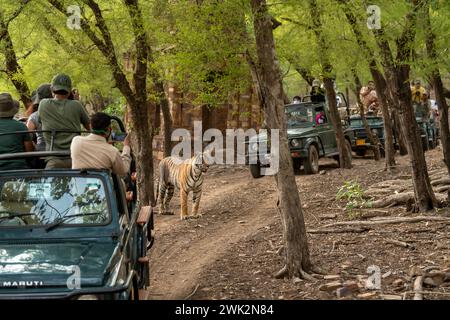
(230, 252)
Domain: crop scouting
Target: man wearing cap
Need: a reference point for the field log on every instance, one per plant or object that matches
(60, 113)
(44, 91)
(12, 143)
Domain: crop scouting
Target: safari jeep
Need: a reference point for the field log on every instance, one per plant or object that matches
(308, 139)
(360, 141)
(426, 127)
(71, 234)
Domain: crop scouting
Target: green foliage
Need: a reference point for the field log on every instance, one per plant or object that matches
(200, 46)
(353, 193)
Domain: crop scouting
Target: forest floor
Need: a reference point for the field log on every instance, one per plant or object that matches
(232, 251)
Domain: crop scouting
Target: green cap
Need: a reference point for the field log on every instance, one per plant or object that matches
(43, 92)
(62, 82)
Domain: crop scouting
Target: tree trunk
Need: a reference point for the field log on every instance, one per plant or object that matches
(399, 74)
(380, 85)
(401, 140)
(424, 195)
(270, 88)
(344, 160)
(13, 70)
(381, 88)
(143, 152)
(438, 87)
(373, 141)
(168, 123)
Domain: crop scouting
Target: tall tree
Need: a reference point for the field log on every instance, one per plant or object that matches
(436, 82)
(136, 94)
(270, 87)
(378, 78)
(398, 72)
(13, 70)
(344, 147)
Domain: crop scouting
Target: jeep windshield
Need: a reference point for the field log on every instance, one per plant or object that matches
(372, 122)
(299, 116)
(43, 201)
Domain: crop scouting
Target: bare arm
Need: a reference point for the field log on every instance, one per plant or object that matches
(31, 126)
(28, 146)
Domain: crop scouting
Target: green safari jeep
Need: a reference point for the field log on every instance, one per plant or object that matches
(360, 141)
(71, 234)
(310, 134)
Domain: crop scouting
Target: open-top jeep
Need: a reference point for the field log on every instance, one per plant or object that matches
(310, 135)
(70, 234)
(360, 141)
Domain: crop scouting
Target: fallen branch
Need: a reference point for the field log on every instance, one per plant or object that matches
(346, 230)
(429, 292)
(388, 221)
(399, 243)
(401, 199)
(374, 213)
(418, 288)
(442, 189)
(440, 181)
(192, 293)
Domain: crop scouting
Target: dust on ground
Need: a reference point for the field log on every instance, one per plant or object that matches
(232, 251)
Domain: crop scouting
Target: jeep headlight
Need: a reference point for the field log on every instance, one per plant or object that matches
(295, 143)
(88, 297)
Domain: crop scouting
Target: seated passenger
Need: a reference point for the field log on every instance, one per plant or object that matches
(320, 117)
(296, 100)
(94, 151)
(12, 143)
(34, 123)
(60, 113)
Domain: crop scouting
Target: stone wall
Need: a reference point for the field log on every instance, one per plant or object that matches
(242, 111)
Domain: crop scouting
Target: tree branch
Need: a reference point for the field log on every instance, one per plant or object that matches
(17, 12)
(105, 45)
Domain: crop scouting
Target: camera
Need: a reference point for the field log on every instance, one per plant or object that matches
(118, 136)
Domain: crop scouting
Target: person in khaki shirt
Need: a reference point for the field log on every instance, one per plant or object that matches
(94, 151)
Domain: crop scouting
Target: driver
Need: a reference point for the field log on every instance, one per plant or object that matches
(94, 151)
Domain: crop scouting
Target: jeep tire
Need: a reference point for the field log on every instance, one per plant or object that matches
(425, 145)
(297, 164)
(311, 163)
(360, 152)
(255, 170)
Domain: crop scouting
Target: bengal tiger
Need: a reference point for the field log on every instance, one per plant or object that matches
(186, 176)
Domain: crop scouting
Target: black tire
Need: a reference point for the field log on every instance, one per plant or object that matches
(311, 163)
(361, 152)
(432, 144)
(425, 145)
(255, 170)
(297, 164)
(382, 152)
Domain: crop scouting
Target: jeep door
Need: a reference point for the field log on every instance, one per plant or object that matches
(325, 132)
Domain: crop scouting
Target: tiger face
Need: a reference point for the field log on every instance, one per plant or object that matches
(201, 163)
